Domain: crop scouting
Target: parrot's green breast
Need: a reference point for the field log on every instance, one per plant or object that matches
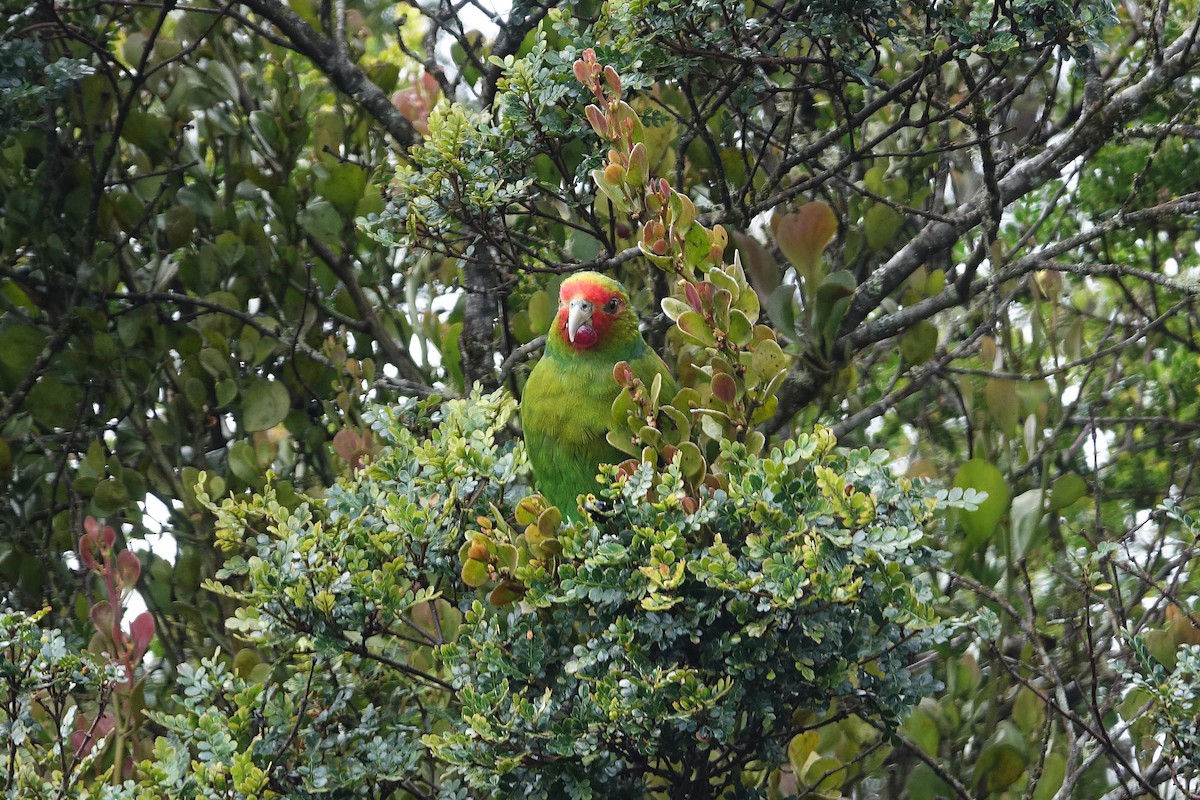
(566, 411)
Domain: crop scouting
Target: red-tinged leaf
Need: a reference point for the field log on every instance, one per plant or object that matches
(582, 73)
(764, 274)
(623, 374)
(102, 616)
(91, 527)
(693, 296)
(597, 120)
(805, 233)
(89, 551)
(724, 388)
(639, 165)
(347, 444)
(141, 630)
(506, 592)
(613, 80)
(87, 734)
(128, 569)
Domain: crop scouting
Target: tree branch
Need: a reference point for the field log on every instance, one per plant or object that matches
(343, 73)
(1096, 126)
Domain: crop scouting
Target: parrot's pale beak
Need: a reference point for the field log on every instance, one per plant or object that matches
(579, 313)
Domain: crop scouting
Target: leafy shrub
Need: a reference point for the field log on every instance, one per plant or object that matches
(648, 650)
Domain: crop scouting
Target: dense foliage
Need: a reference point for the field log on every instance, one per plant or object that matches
(234, 235)
(652, 647)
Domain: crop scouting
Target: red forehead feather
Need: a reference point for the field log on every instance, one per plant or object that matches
(593, 291)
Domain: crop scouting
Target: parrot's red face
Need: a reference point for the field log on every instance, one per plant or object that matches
(586, 310)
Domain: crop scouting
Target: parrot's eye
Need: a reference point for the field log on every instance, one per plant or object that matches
(613, 306)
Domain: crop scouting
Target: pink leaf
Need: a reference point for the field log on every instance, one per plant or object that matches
(804, 234)
(128, 569)
(431, 86)
(86, 734)
(102, 616)
(582, 73)
(347, 444)
(598, 120)
(89, 548)
(142, 631)
(613, 80)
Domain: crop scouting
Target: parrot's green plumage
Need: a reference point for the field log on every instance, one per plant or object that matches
(566, 408)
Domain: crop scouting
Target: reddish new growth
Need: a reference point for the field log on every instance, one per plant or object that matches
(118, 572)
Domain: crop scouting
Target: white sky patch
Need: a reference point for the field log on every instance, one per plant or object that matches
(1098, 449)
(135, 604)
(420, 345)
(156, 520)
(874, 427)
(483, 14)
(478, 15)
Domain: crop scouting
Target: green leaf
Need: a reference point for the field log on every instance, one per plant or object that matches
(1000, 396)
(541, 311)
(343, 186)
(1027, 710)
(781, 309)
(923, 730)
(800, 748)
(983, 476)
(674, 308)
(880, 224)
(54, 403)
(452, 354)
(148, 132)
(226, 392)
(695, 328)
(696, 246)
(110, 496)
(768, 360)
(1067, 489)
(1024, 519)
(825, 774)
(919, 342)
(264, 405)
(474, 573)
(741, 329)
(691, 461)
(322, 220)
(999, 765)
(924, 784)
(832, 301)
(1054, 770)
(244, 464)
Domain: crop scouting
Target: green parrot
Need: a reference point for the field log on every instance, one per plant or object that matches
(566, 408)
